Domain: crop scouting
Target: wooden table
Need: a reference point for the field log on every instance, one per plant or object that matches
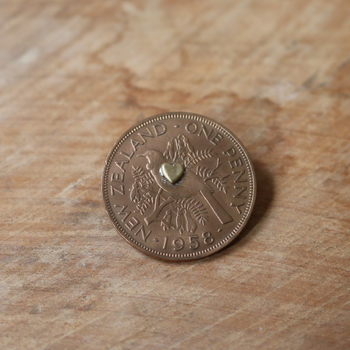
(74, 75)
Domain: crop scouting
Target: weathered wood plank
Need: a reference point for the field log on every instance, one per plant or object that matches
(75, 75)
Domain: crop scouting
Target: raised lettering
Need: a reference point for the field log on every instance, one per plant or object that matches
(142, 135)
(143, 233)
(230, 152)
(191, 128)
(128, 156)
(117, 177)
(165, 242)
(208, 238)
(135, 143)
(122, 211)
(178, 243)
(159, 129)
(120, 164)
(203, 130)
(216, 139)
(132, 223)
(240, 190)
(235, 163)
(238, 175)
(120, 190)
(238, 207)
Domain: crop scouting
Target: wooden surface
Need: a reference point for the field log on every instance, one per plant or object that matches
(74, 75)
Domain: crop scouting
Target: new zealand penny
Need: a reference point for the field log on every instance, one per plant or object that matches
(179, 186)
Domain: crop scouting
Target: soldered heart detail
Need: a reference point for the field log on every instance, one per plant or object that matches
(172, 171)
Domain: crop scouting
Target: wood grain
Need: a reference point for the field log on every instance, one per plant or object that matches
(74, 75)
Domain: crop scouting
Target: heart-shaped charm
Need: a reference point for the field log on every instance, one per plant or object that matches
(172, 171)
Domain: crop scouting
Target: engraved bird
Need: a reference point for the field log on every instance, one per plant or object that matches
(190, 184)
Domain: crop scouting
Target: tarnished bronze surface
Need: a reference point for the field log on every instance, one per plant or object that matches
(179, 186)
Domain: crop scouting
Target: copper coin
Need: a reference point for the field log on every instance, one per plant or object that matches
(179, 186)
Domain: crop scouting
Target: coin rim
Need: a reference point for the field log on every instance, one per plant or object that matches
(198, 254)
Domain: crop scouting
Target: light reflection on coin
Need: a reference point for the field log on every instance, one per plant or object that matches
(179, 186)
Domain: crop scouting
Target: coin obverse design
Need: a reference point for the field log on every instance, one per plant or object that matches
(179, 186)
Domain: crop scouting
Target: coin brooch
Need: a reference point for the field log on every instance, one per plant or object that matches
(179, 186)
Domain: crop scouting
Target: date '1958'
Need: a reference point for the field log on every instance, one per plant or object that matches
(193, 241)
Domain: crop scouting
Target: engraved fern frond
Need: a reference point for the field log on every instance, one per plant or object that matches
(142, 178)
(220, 183)
(204, 172)
(200, 155)
(137, 172)
(144, 203)
(211, 174)
(140, 189)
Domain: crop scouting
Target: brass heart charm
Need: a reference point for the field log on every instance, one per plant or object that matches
(172, 172)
